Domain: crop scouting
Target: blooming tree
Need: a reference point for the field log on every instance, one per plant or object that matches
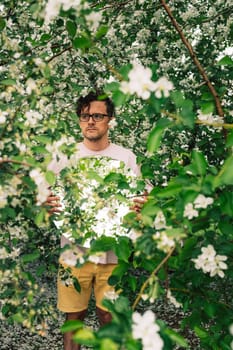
(167, 66)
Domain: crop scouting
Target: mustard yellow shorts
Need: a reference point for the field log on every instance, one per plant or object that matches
(89, 276)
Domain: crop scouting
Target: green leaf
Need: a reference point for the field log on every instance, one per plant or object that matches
(171, 189)
(118, 98)
(156, 135)
(103, 244)
(178, 98)
(71, 28)
(50, 177)
(177, 338)
(199, 162)
(207, 107)
(47, 90)
(2, 23)
(108, 344)
(225, 176)
(229, 142)
(8, 82)
(30, 257)
(84, 336)
(71, 326)
(102, 31)
(225, 61)
(39, 218)
(76, 284)
(82, 42)
(201, 333)
(123, 250)
(187, 113)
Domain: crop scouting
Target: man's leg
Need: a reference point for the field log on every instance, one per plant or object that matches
(68, 342)
(101, 288)
(104, 316)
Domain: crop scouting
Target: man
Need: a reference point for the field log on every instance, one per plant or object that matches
(94, 118)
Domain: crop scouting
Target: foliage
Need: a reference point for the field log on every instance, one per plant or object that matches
(180, 127)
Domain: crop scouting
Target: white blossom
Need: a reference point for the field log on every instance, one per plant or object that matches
(111, 295)
(93, 20)
(139, 82)
(3, 196)
(202, 202)
(160, 221)
(164, 242)
(31, 86)
(42, 185)
(145, 328)
(189, 211)
(173, 300)
(3, 116)
(211, 263)
(53, 8)
(32, 118)
(113, 123)
(163, 87)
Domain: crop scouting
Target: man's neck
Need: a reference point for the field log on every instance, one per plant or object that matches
(98, 145)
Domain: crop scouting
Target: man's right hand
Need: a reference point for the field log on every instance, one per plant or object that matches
(53, 202)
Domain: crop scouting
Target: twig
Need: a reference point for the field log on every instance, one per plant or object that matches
(59, 53)
(145, 284)
(195, 59)
(8, 160)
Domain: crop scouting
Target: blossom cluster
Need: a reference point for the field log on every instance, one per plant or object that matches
(92, 207)
(210, 262)
(141, 84)
(200, 202)
(145, 328)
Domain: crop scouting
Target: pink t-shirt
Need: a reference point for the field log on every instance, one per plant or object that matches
(115, 152)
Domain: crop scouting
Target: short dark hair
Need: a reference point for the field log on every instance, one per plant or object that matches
(84, 101)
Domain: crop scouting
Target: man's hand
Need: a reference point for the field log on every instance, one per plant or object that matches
(53, 202)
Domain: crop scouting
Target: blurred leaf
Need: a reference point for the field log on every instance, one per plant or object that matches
(84, 336)
(109, 344)
(229, 142)
(50, 177)
(225, 176)
(187, 113)
(123, 249)
(156, 135)
(71, 325)
(82, 42)
(118, 98)
(207, 107)
(199, 162)
(225, 61)
(103, 244)
(102, 31)
(40, 216)
(201, 332)
(76, 284)
(8, 82)
(177, 338)
(2, 23)
(71, 28)
(30, 257)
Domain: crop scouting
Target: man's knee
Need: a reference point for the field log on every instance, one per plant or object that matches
(79, 315)
(104, 316)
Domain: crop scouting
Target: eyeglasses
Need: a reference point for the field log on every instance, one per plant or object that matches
(97, 117)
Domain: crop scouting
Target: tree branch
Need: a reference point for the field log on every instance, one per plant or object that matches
(194, 58)
(145, 284)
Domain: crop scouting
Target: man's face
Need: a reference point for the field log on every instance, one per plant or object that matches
(92, 130)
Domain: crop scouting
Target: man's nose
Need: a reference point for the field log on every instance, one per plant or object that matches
(91, 120)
